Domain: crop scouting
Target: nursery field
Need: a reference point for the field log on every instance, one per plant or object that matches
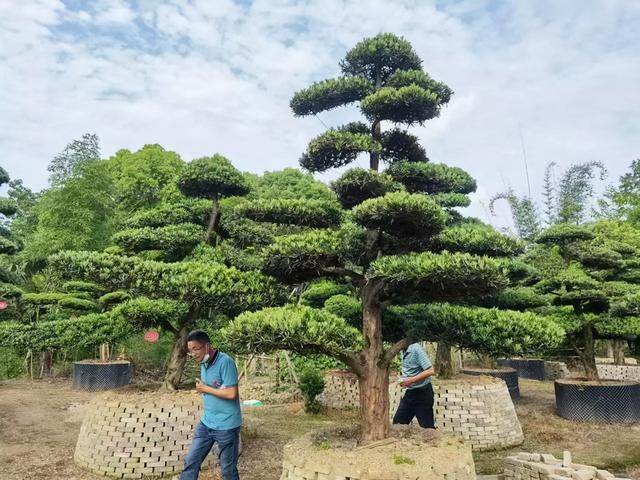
(39, 424)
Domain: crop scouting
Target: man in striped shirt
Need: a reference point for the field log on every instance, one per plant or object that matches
(417, 401)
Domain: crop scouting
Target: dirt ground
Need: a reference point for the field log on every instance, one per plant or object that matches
(39, 424)
(40, 421)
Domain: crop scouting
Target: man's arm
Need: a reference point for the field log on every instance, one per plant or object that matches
(228, 393)
(418, 378)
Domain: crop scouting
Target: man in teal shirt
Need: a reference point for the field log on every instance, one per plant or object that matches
(417, 401)
(221, 419)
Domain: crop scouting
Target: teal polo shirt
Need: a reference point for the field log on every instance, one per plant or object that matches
(220, 413)
(414, 361)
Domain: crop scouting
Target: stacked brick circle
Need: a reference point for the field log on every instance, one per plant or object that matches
(477, 409)
(138, 435)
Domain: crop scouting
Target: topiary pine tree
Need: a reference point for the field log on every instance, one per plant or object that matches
(9, 291)
(212, 178)
(385, 75)
(400, 243)
(592, 274)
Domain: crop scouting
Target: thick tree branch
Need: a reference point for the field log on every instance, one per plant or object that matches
(395, 350)
(358, 278)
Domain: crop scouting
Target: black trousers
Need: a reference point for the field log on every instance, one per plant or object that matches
(416, 403)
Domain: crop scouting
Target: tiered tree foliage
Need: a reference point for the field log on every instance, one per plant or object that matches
(9, 291)
(592, 274)
(397, 239)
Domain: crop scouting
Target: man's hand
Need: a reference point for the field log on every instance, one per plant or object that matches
(201, 387)
(407, 382)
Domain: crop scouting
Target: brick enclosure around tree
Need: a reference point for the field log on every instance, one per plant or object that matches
(477, 409)
(138, 435)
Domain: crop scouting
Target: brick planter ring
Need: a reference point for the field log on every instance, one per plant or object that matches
(509, 375)
(138, 435)
(477, 409)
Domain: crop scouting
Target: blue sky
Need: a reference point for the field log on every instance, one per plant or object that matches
(207, 76)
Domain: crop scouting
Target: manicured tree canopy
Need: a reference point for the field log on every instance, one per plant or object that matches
(383, 74)
(9, 291)
(212, 178)
(401, 242)
(592, 275)
(171, 296)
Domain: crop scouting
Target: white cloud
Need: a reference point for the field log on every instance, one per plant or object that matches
(204, 77)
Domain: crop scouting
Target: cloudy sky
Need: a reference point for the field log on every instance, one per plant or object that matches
(561, 77)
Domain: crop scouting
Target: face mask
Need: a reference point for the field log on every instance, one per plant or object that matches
(206, 358)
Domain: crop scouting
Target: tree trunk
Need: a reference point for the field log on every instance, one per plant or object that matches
(618, 351)
(374, 157)
(588, 355)
(213, 220)
(374, 379)
(177, 360)
(444, 363)
(374, 404)
(46, 364)
(376, 133)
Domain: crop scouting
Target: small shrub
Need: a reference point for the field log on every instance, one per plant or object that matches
(10, 364)
(311, 385)
(402, 460)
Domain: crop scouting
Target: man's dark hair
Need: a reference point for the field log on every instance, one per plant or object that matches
(199, 336)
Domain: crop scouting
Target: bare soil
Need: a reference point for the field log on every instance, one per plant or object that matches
(40, 421)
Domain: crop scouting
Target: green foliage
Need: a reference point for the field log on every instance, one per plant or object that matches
(409, 105)
(144, 312)
(523, 212)
(145, 178)
(576, 188)
(10, 363)
(357, 185)
(69, 164)
(8, 247)
(311, 385)
(84, 331)
(404, 78)
(299, 211)
(79, 286)
(212, 177)
(304, 256)
(398, 144)
(8, 290)
(488, 330)
(440, 276)
(347, 307)
(519, 298)
(329, 94)
(478, 239)
(8, 207)
(401, 213)
(402, 460)
(316, 293)
(451, 200)
(289, 183)
(170, 214)
(379, 57)
(228, 254)
(335, 148)
(46, 298)
(300, 329)
(431, 178)
(209, 285)
(113, 298)
(80, 304)
(77, 215)
(562, 234)
(623, 201)
(177, 240)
